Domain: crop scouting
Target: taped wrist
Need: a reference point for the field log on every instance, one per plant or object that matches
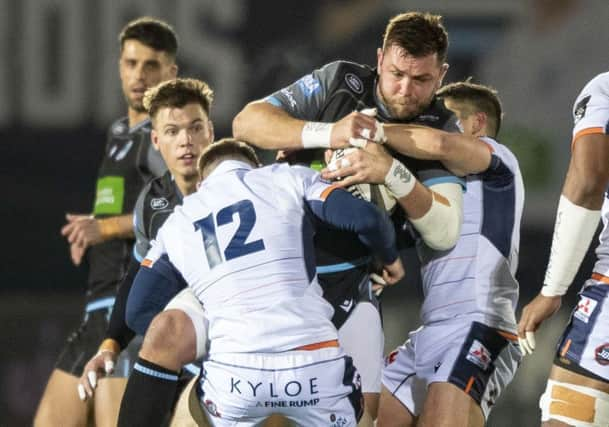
(109, 228)
(574, 228)
(316, 135)
(109, 345)
(399, 180)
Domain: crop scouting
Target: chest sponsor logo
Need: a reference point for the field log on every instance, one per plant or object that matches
(601, 354)
(309, 85)
(585, 308)
(580, 109)
(479, 355)
(159, 203)
(354, 83)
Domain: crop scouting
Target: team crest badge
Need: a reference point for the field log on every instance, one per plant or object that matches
(479, 355)
(159, 203)
(601, 354)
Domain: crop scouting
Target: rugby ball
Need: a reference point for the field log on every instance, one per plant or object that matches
(374, 193)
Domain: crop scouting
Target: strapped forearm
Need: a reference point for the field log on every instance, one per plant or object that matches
(573, 231)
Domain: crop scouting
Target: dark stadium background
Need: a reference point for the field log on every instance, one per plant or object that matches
(59, 90)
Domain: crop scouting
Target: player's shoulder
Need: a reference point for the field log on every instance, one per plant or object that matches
(351, 72)
(598, 84)
(119, 127)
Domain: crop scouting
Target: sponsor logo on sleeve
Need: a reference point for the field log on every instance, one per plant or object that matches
(354, 83)
(109, 195)
(580, 109)
(479, 355)
(585, 308)
(601, 354)
(309, 85)
(290, 96)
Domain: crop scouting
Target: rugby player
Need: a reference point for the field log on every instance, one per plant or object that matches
(577, 391)
(319, 111)
(148, 49)
(454, 367)
(243, 243)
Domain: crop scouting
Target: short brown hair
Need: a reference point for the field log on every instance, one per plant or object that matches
(225, 149)
(475, 98)
(151, 32)
(419, 34)
(177, 93)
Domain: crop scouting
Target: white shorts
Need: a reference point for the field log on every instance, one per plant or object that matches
(476, 358)
(362, 338)
(585, 342)
(311, 388)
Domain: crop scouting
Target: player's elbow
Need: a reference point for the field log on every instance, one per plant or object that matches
(440, 227)
(244, 122)
(446, 237)
(240, 124)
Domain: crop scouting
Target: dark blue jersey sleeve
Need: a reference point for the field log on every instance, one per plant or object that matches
(373, 226)
(152, 289)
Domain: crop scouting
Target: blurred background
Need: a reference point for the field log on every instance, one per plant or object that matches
(59, 90)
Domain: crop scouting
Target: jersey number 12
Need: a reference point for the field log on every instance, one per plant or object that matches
(237, 247)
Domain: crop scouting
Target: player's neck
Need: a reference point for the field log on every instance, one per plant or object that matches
(136, 117)
(186, 185)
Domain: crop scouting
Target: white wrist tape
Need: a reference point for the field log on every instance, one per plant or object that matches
(573, 232)
(399, 181)
(316, 135)
(379, 131)
(440, 227)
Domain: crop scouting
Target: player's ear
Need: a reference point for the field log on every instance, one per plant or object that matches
(480, 122)
(211, 131)
(443, 71)
(154, 137)
(379, 59)
(173, 71)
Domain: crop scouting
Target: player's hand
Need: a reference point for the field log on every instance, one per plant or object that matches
(369, 165)
(99, 366)
(533, 315)
(81, 231)
(392, 273)
(356, 126)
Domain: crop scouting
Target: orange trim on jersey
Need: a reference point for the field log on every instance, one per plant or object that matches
(565, 348)
(469, 385)
(587, 131)
(327, 191)
(147, 263)
(600, 278)
(318, 345)
(508, 336)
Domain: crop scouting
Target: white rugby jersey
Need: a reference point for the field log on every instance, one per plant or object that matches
(477, 276)
(591, 115)
(243, 247)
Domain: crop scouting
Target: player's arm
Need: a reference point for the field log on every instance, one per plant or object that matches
(340, 209)
(83, 231)
(435, 211)
(287, 119)
(461, 154)
(577, 218)
(155, 284)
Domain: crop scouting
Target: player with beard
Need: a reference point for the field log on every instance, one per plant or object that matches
(320, 111)
(148, 49)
